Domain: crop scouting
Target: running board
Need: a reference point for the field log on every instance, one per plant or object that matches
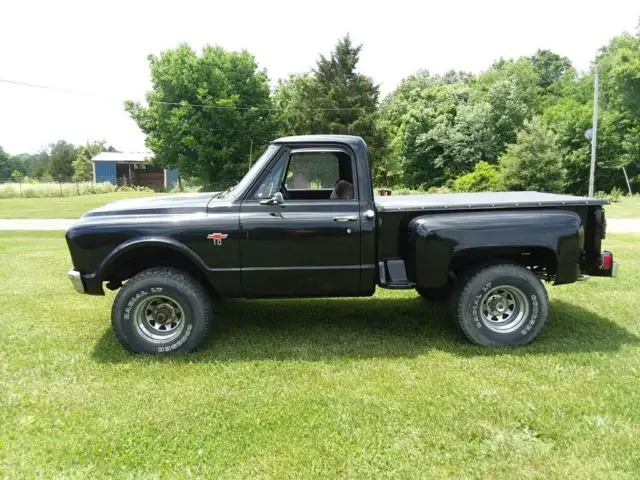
(399, 286)
(393, 275)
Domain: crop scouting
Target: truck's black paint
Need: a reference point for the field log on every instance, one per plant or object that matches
(436, 242)
(297, 248)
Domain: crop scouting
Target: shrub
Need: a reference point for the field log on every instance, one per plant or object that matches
(186, 189)
(484, 178)
(615, 195)
(439, 190)
(534, 162)
(133, 188)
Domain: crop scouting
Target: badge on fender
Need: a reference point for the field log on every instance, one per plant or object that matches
(217, 237)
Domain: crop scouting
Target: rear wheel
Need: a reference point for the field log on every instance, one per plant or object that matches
(161, 311)
(503, 304)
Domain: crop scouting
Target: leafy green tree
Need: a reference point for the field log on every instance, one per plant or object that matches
(619, 63)
(619, 125)
(300, 103)
(37, 165)
(205, 112)
(61, 159)
(511, 89)
(335, 98)
(471, 139)
(32, 165)
(534, 162)
(483, 178)
(441, 126)
(5, 164)
(550, 67)
(418, 117)
(82, 166)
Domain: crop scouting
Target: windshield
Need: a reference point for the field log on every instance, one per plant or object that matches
(253, 172)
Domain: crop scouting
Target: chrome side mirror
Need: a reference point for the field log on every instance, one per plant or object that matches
(276, 199)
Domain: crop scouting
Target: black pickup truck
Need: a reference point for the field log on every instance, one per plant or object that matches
(304, 222)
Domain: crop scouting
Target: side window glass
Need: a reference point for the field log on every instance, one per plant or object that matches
(313, 171)
(272, 183)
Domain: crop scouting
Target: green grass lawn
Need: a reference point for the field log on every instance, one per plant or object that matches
(351, 388)
(627, 207)
(59, 207)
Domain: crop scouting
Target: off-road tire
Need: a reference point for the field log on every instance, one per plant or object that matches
(500, 305)
(156, 295)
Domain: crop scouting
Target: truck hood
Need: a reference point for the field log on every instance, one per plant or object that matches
(185, 203)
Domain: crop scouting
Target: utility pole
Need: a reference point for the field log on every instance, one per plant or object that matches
(250, 152)
(624, 170)
(594, 131)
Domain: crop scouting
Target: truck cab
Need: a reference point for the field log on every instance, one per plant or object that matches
(304, 222)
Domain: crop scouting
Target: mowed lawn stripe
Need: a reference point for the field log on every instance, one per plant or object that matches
(374, 387)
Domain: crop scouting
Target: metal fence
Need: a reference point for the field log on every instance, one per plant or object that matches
(51, 187)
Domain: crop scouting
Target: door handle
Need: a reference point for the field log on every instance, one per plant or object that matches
(349, 218)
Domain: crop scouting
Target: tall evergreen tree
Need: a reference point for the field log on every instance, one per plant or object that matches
(333, 98)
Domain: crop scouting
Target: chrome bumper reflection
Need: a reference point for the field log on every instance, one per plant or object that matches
(614, 269)
(76, 280)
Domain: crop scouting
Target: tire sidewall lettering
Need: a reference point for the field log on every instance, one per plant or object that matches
(139, 296)
(178, 342)
(132, 302)
(475, 307)
(533, 316)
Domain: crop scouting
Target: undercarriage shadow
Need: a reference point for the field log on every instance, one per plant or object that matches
(325, 329)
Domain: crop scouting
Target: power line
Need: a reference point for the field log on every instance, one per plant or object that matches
(177, 104)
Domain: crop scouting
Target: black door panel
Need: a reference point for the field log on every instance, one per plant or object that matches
(309, 194)
(301, 248)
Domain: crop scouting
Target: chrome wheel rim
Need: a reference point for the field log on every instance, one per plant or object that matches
(504, 309)
(159, 319)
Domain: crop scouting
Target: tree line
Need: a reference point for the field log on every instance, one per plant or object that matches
(60, 160)
(519, 125)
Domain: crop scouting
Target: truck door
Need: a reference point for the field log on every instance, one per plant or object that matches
(300, 237)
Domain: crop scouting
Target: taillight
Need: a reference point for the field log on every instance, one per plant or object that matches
(606, 260)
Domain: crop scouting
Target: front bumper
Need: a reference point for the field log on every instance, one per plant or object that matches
(76, 280)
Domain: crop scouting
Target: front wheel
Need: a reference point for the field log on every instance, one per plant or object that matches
(161, 311)
(499, 305)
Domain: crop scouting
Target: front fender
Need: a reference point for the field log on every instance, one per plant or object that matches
(436, 240)
(143, 242)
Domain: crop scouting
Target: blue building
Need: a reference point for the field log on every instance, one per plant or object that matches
(132, 169)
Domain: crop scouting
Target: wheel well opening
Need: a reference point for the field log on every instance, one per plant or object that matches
(539, 258)
(142, 258)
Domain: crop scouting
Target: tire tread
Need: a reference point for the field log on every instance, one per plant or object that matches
(466, 284)
(167, 274)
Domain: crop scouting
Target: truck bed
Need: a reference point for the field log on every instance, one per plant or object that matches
(481, 200)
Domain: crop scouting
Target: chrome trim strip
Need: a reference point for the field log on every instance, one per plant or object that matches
(76, 280)
(310, 267)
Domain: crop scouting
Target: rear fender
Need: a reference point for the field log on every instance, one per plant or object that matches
(438, 241)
